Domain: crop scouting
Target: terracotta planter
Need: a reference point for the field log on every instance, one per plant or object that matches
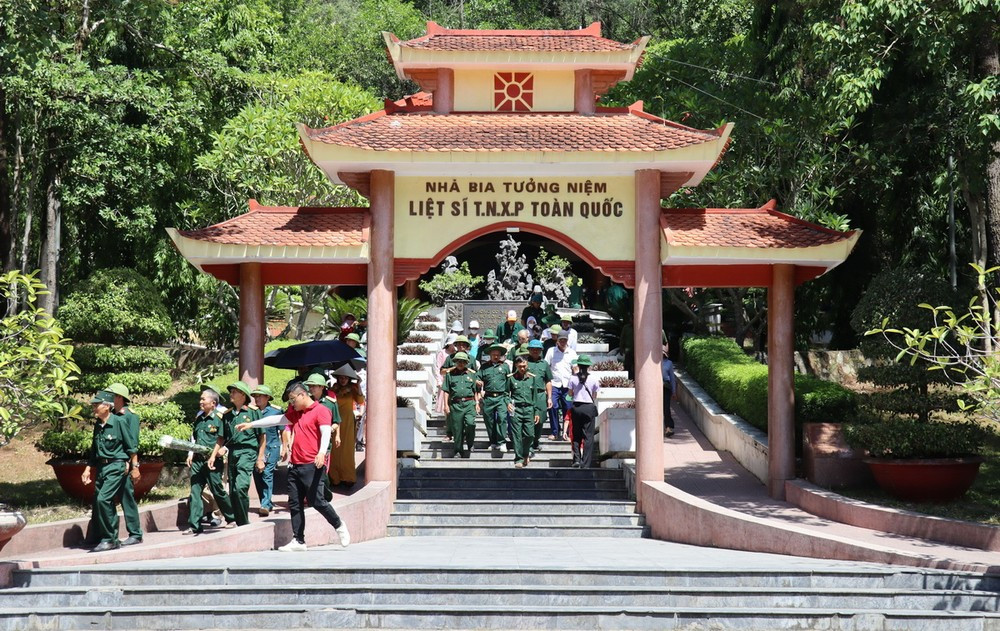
(68, 474)
(11, 523)
(928, 480)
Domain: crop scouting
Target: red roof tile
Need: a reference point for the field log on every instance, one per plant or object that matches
(426, 131)
(762, 227)
(577, 41)
(289, 226)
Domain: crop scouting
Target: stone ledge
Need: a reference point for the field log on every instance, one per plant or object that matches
(674, 515)
(830, 505)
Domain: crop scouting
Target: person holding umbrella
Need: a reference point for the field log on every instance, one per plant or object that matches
(343, 469)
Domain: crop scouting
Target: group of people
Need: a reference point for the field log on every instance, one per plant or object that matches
(521, 378)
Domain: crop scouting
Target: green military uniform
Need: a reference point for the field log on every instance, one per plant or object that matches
(331, 404)
(483, 352)
(507, 331)
(494, 378)
(461, 389)
(130, 508)
(110, 450)
(524, 395)
(243, 449)
(449, 362)
(207, 429)
(543, 371)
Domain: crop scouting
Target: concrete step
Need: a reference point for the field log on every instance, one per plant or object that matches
(486, 455)
(483, 443)
(537, 464)
(481, 520)
(494, 508)
(503, 528)
(563, 473)
(510, 483)
(263, 571)
(421, 616)
(363, 594)
(466, 492)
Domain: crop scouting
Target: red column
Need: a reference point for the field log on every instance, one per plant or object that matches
(648, 327)
(780, 379)
(251, 324)
(411, 289)
(444, 95)
(583, 99)
(380, 437)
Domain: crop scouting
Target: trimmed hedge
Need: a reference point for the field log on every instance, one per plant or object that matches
(75, 444)
(739, 385)
(117, 306)
(121, 358)
(136, 382)
(159, 414)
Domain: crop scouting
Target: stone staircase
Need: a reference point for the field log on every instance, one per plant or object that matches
(262, 595)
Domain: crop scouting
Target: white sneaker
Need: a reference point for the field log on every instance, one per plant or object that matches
(345, 537)
(503, 448)
(293, 546)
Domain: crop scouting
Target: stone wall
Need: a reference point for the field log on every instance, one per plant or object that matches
(838, 366)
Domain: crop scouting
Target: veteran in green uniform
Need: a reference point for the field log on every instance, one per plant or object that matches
(208, 427)
(462, 345)
(461, 404)
(317, 385)
(483, 352)
(110, 451)
(130, 508)
(541, 369)
(492, 379)
(523, 388)
(242, 447)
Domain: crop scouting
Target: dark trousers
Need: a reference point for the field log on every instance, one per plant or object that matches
(109, 483)
(558, 409)
(130, 509)
(668, 418)
(583, 416)
(305, 482)
(264, 480)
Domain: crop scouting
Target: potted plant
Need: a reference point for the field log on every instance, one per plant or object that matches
(921, 461)
(36, 364)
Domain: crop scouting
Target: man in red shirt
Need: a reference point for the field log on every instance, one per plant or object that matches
(309, 428)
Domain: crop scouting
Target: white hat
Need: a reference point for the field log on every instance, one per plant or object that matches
(457, 327)
(473, 324)
(450, 339)
(512, 315)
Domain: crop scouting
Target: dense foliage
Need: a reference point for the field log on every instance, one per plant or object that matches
(907, 438)
(122, 358)
(739, 385)
(117, 306)
(456, 284)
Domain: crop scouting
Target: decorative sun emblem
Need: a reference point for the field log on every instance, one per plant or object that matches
(513, 91)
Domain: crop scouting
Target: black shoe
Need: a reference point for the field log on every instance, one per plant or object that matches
(215, 523)
(104, 546)
(132, 540)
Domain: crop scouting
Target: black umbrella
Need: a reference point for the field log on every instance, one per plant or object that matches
(314, 354)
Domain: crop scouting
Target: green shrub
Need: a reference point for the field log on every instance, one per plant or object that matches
(136, 382)
(69, 444)
(74, 444)
(122, 358)
(149, 441)
(907, 438)
(459, 284)
(159, 414)
(739, 385)
(117, 306)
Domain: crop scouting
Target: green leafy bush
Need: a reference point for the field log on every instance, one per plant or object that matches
(136, 382)
(117, 306)
(902, 438)
(159, 414)
(739, 385)
(149, 441)
(122, 358)
(74, 444)
(456, 285)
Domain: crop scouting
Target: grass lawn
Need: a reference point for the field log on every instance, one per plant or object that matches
(980, 504)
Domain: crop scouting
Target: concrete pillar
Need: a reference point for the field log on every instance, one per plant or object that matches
(252, 324)
(583, 99)
(648, 327)
(444, 95)
(780, 379)
(380, 433)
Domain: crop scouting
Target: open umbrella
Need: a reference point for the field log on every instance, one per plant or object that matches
(313, 354)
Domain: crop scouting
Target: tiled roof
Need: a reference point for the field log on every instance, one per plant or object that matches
(426, 131)
(762, 227)
(289, 226)
(578, 41)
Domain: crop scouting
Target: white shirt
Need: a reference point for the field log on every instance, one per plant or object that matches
(561, 364)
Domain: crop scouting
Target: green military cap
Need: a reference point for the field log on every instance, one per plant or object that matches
(103, 397)
(489, 335)
(209, 386)
(463, 339)
(315, 379)
(522, 349)
(498, 347)
(239, 385)
(555, 329)
(583, 360)
(565, 317)
(461, 356)
(263, 389)
(119, 389)
(353, 336)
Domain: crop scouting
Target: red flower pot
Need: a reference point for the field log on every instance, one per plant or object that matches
(927, 480)
(68, 474)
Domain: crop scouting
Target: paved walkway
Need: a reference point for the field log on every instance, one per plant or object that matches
(694, 466)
